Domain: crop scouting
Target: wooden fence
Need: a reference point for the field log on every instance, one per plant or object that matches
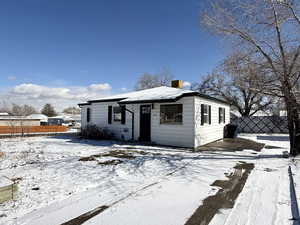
(261, 124)
(31, 129)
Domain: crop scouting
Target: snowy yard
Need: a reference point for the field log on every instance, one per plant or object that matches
(61, 178)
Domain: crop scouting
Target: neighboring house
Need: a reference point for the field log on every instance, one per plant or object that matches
(43, 118)
(16, 121)
(163, 115)
(4, 114)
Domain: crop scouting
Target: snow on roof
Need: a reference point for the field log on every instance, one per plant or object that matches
(4, 114)
(158, 93)
(16, 118)
(151, 95)
(41, 117)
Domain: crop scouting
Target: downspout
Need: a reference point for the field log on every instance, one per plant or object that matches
(132, 123)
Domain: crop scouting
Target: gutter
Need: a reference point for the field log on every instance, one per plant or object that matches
(132, 123)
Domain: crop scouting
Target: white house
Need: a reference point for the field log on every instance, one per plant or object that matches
(162, 115)
(43, 118)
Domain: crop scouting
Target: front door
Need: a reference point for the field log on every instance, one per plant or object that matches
(145, 123)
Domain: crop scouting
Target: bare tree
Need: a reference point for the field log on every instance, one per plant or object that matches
(4, 107)
(22, 110)
(72, 110)
(267, 30)
(148, 80)
(234, 81)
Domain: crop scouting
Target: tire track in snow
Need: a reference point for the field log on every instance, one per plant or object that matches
(90, 214)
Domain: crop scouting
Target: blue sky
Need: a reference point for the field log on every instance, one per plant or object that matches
(77, 43)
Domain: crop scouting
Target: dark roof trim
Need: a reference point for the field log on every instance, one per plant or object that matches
(155, 100)
(176, 99)
(213, 98)
(81, 104)
(148, 101)
(103, 100)
(106, 100)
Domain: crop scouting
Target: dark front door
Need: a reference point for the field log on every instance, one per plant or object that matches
(145, 123)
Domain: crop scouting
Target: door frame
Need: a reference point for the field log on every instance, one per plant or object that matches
(150, 107)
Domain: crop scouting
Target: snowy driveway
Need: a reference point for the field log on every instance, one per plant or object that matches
(145, 186)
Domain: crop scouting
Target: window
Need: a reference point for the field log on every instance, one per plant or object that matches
(171, 114)
(117, 113)
(88, 115)
(221, 115)
(205, 114)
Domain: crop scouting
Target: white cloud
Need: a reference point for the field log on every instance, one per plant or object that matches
(186, 84)
(60, 97)
(11, 77)
(124, 89)
(100, 87)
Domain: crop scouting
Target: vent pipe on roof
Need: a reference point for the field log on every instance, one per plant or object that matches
(177, 84)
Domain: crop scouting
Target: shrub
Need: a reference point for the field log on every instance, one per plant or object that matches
(94, 132)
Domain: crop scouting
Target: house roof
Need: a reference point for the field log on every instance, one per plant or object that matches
(41, 117)
(158, 94)
(20, 118)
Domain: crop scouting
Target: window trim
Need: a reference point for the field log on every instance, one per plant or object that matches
(114, 114)
(207, 114)
(161, 122)
(221, 115)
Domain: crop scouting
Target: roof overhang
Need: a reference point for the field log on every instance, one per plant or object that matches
(124, 101)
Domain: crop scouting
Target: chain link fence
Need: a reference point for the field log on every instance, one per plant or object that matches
(261, 124)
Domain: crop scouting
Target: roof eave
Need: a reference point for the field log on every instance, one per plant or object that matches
(123, 101)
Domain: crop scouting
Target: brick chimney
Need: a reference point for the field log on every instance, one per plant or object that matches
(177, 84)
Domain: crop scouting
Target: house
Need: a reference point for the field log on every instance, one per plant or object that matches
(18, 121)
(43, 118)
(163, 115)
(2, 114)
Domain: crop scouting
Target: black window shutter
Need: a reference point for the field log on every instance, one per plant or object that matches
(123, 114)
(109, 114)
(202, 114)
(209, 114)
(88, 114)
(224, 115)
(220, 111)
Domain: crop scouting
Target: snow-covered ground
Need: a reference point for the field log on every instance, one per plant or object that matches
(153, 185)
(265, 198)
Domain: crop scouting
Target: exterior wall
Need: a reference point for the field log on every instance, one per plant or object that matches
(188, 134)
(170, 134)
(18, 122)
(177, 135)
(209, 132)
(98, 113)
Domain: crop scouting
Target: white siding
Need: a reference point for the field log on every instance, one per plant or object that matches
(169, 134)
(209, 132)
(99, 117)
(188, 134)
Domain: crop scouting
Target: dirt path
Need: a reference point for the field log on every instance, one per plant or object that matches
(224, 198)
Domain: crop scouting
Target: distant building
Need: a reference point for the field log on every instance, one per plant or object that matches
(18, 121)
(43, 118)
(4, 114)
